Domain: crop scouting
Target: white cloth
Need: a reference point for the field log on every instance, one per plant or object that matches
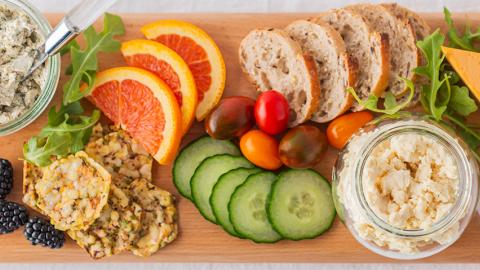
(255, 5)
(151, 6)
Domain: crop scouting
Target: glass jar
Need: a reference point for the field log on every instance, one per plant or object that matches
(52, 71)
(360, 213)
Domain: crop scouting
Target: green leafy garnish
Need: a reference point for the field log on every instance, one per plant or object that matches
(445, 97)
(69, 129)
(431, 48)
(85, 63)
(466, 41)
(461, 102)
(390, 104)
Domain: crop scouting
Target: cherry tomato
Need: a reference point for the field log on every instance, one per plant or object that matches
(340, 130)
(271, 112)
(261, 149)
(232, 117)
(302, 147)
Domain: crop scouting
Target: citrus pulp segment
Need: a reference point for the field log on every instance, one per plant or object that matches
(143, 105)
(168, 66)
(201, 54)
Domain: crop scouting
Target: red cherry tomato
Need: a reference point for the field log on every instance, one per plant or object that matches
(271, 112)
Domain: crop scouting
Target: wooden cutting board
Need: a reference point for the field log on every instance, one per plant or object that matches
(199, 240)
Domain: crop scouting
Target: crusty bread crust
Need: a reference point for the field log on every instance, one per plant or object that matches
(403, 51)
(421, 29)
(335, 69)
(420, 26)
(377, 81)
(311, 92)
(316, 90)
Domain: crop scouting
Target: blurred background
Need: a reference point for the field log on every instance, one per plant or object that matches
(255, 5)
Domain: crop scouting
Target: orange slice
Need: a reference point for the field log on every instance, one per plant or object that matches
(143, 105)
(168, 66)
(200, 53)
(467, 65)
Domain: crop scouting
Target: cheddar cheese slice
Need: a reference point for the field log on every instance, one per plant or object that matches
(467, 65)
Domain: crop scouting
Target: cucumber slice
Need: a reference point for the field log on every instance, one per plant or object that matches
(247, 209)
(301, 205)
(205, 177)
(223, 190)
(192, 155)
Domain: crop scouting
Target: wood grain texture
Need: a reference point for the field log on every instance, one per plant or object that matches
(199, 240)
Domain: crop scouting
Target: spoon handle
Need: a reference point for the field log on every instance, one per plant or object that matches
(87, 12)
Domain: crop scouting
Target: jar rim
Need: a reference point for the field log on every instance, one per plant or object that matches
(466, 172)
(52, 75)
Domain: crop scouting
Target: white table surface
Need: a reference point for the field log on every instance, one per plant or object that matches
(247, 6)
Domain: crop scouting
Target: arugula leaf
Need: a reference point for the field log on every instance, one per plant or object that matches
(431, 48)
(461, 102)
(67, 132)
(66, 49)
(391, 106)
(72, 125)
(466, 41)
(445, 97)
(40, 150)
(68, 129)
(85, 63)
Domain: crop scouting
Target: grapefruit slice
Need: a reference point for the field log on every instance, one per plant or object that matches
(143, 105)
(168, 66)
(200, 53)
(467, 65)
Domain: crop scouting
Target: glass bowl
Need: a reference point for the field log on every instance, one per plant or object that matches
(376, 233)
(52, 71)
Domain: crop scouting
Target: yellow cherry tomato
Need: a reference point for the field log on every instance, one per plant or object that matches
(261, 149)
(340, 130)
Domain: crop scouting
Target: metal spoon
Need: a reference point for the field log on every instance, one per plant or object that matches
(77, 20)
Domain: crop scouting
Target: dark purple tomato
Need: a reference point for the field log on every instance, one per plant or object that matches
(302, 147)
(232, 118)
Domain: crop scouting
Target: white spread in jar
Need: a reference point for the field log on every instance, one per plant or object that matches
(19, 37)
(409, 180)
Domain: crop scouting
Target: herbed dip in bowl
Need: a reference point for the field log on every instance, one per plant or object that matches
(22, 30)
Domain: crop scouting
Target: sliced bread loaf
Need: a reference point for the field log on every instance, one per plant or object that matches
(367, 47)
(272, 60)
(420, 26)
(336, 71)
(404, 56)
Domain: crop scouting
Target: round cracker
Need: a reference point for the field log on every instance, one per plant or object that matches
(115, 229)
(73, 191)
(121, 155)
(159, 221)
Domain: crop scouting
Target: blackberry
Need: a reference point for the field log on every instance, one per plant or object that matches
(12, 216)
(6, 178)
(41, 232)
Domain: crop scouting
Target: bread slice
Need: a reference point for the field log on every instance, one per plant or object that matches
(421, 30)
(420, 26)
(404, 56)
(272, 60)
(367, 47)
(336, 71)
